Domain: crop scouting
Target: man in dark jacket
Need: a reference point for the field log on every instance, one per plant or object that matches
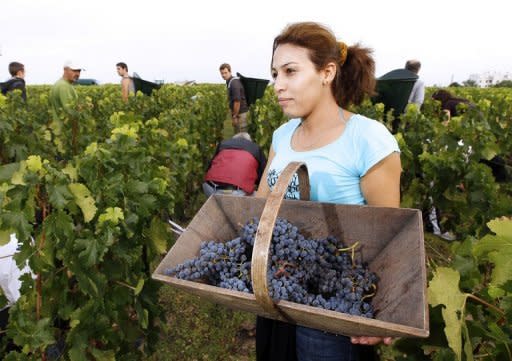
(17, 81)
(236, 167)
(237, 101)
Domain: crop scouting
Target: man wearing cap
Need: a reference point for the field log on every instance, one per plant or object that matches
(62, 94)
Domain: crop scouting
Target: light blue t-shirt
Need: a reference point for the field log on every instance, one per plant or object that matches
(335, 170)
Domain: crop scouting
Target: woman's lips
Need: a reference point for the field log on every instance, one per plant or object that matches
(284, 101)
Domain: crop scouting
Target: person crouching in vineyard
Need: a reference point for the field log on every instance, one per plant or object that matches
(453, 106)
(236, 167)
(450, 104)
(351, 159)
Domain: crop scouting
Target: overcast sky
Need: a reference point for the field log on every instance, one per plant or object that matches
(188, 40)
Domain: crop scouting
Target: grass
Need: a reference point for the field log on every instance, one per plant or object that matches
(197, 329)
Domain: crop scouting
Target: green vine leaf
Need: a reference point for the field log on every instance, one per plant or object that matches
(139, 287)
(158, 235)
(444, 290)
(103, 355)
(90, 251)
(18, 222)
(498, 249)
(77, 353)
(59, 195)
(5, 237)
(84, 200)
(7, 171)
(33, 334)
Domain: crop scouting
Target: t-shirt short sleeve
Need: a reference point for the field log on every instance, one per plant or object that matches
(283, 132)
(236, 89)
(375, 144)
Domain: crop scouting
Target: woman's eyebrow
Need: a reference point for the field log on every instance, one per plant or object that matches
(285, 65)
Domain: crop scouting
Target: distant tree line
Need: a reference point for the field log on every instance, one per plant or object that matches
(472, 83)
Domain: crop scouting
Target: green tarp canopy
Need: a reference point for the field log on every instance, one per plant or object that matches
(393, 90)
(144, 86)
(254, 88)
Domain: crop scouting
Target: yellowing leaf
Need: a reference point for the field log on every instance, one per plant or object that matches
(129, 131)
(91, 148)
(71, 172)
(5, 237)
(112, 214)
(139, 287)
(161, 132)
(182, 143)
(444, 290)
(501, 226)
(47, 135)
(34, 163)
(84, 200)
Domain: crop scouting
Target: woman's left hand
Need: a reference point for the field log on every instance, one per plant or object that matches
(370, 340)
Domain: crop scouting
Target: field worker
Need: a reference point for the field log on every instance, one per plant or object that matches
(351, 159)
(10, 282)
(450, 103)
(237, 100)
(17, 80)
(63, 95)
(236, 167)
(127, 85)
(417, 95)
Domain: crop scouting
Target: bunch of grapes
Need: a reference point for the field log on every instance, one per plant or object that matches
(316, 272)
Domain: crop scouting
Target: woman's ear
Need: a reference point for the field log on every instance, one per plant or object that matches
(329, 72)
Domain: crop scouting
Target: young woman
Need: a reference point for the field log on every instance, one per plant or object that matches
(351, 159)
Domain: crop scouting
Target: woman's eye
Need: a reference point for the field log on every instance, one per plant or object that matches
(273, 75)
(290, 71)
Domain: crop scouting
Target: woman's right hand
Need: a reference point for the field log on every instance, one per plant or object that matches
(371, 340)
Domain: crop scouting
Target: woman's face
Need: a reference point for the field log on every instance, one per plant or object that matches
(297, 83)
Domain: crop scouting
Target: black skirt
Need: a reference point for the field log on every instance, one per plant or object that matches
(275, 340)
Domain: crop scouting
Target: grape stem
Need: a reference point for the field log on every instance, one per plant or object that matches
(478, 299)
(370, 295)
(352, 250)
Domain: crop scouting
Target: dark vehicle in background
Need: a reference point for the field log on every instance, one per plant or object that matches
(86, 82)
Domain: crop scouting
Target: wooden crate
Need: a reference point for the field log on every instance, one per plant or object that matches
(390, 239)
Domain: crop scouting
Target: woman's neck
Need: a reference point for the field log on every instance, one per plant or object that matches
(324, 117)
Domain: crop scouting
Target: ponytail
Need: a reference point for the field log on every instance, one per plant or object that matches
(355, 78)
